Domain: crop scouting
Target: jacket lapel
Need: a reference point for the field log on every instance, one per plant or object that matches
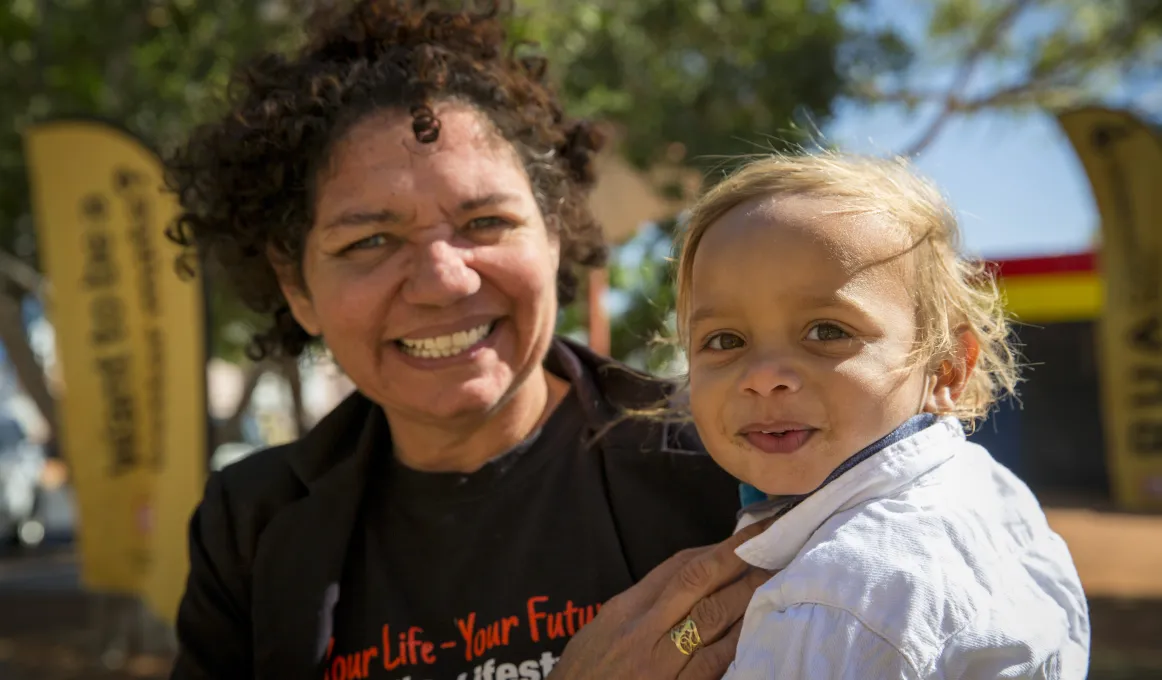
(300, 557)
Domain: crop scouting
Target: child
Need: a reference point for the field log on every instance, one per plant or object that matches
(838, 347)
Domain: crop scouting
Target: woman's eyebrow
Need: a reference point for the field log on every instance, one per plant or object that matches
(360, 218)
(494, 198)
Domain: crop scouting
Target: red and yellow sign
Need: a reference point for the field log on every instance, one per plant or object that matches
(131, 344)
(1052, 289)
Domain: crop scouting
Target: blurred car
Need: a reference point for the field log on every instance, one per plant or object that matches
(229, 453)
(22, 466)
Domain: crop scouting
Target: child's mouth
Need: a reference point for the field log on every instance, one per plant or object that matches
(779, 441)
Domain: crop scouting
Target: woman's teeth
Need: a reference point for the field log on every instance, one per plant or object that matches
(443, 346)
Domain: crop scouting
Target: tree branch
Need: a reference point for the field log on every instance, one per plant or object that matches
(989, 36)
(289, 367)
(28, 370)
(231, 429)
(16, 272)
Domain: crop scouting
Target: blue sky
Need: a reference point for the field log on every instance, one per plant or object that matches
(1014, 179)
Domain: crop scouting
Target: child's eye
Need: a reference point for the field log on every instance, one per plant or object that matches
(723, 342)
(825, 332)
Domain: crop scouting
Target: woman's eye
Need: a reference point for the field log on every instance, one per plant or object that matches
(724, 341)
(489, 222)
(825, 332)
(366, 243)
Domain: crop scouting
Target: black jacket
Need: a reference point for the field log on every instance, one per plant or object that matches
(268, 541)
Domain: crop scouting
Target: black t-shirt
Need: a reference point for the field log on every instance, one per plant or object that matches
(483, 576)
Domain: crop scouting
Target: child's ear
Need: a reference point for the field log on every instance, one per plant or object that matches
(290, 281)
(952, 375)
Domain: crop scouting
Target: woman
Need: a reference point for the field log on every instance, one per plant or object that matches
(408, 193)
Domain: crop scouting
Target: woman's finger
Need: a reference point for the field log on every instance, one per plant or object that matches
(630, 636)
(650, 587)
(712, 661)
(714, 617)
(717, 613)
(706, 573)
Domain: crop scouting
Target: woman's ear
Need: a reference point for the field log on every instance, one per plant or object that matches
(553, 233)
(294, 290)
(952, 374)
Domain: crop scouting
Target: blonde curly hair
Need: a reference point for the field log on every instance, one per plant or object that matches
(952, 293)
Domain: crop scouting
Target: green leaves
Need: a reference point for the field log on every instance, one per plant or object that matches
(716, 75)
(688, 80)
(1051, 53)
(692, 81)
(153, 66)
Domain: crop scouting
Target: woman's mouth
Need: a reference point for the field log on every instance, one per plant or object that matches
(445, 346)
(779, 441)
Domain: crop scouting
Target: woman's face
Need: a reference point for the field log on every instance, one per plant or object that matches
(428, 270)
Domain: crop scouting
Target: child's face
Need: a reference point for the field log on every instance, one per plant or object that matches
(801, 323)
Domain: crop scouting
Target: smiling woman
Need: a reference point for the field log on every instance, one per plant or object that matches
(410, 255)
(407, 193)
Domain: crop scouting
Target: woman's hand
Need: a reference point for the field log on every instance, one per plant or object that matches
(630, 637)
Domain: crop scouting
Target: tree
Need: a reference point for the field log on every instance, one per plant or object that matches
(691, 82)
(152, 66)
(687, 78)
(1040, 55)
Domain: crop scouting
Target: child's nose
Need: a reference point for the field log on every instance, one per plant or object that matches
(770, 375)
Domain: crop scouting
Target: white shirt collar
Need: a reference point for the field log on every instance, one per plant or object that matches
(881, 474)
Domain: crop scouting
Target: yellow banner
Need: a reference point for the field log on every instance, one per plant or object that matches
(1123, 158)
(130, 337)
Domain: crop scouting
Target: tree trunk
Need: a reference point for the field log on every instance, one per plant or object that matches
(28, 370)
(290, 370)
(598, 316)
(231, 430)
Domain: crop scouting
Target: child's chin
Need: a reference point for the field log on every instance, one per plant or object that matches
(785, 480)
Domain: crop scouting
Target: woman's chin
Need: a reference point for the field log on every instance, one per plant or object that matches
(478, 395)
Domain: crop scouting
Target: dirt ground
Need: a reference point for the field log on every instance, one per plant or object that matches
(1119, 558)
(1118, 555)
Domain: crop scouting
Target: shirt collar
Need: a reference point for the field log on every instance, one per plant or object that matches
(898, 459)
(755, 501)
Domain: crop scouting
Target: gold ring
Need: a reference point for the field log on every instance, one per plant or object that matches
(685, 636)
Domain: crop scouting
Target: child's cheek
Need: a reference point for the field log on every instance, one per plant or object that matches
(710, 400)
(876, 372)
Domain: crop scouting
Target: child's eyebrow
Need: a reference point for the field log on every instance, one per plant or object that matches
(826, 300)
(829, 300)
(834, 299)
(702, 313)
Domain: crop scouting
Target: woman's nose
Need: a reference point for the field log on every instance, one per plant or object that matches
(770, 375)
(439, 276)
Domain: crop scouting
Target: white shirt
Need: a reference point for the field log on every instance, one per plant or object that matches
(927, 560)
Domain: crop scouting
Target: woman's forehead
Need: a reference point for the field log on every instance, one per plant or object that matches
(380, 159)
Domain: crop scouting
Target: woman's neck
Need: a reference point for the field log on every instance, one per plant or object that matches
(468, 446)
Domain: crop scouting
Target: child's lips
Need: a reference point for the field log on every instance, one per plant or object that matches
(787, 442)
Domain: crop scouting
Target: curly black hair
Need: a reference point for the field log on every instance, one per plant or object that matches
(246, 181)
